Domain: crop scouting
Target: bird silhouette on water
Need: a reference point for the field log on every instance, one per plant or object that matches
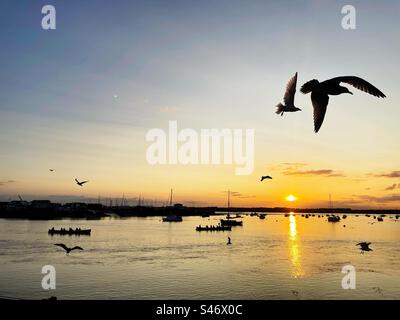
(288, 98)
(67, 249)
(364, 246)
(229, 241)
(80, 183)
(265, 177)
(320, 92)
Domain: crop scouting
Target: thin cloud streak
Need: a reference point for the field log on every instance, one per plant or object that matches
(321, 172)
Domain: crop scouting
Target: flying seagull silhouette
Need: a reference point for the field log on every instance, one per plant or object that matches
(265, 177)
(364, 246)
(320, 92)
(288, 98)
(81, 183)
(67, 249)
(51, 170)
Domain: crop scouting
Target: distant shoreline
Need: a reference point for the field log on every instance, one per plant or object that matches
(45, 210)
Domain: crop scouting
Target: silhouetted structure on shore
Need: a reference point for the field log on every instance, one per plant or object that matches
(46, 210)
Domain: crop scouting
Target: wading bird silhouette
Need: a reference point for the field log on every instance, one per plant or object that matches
(67, 249)
(320, 92)
(81, 183)
(288, 98)
(229, 241)
(364, 246)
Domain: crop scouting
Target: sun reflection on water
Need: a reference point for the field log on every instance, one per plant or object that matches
(294, 249)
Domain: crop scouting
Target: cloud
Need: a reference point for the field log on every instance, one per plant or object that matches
(384, 199)
(393, 174)
(168, 109)
(320, 172)
(247, 196)
(393, 186)
(3, 183)
(295, 164)
(239, 195)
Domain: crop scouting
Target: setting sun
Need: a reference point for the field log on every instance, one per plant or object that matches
(291, 198)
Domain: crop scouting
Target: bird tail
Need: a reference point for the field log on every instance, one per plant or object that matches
(309, 86)
(279, 108)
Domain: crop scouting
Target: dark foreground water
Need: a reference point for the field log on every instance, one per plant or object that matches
(144, 258)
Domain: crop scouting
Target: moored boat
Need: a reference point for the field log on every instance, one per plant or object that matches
(333, 218)
(70, 231)
(231, 222)
(213, 228)
(172, 218)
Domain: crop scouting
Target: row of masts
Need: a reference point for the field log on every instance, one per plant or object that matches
(123, 201)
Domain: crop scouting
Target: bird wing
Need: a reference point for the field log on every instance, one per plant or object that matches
(62, 245)
(360, 84)
(288, 98)
(320, 102)
(76, 248)
(77, 181)
(84, 182)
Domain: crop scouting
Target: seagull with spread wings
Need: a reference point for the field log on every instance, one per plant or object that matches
(320, 92)
(67, 249)
(265, 177)
(364, 246)
(80, 183)
(288, 98)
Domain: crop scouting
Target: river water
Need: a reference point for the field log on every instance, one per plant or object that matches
(143, 258)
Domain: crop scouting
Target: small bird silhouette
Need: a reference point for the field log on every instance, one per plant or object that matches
(320, 92)
(364, 246)
(288, 98)
(80, 183)
(67, 249)
(265, 177)
(51, 170)
(229, 241)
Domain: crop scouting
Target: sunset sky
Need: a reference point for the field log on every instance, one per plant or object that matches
(81, 98)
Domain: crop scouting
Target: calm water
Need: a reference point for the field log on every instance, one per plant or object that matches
(144, 258)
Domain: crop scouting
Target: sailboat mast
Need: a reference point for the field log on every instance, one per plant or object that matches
(229, 199)
(170, 199)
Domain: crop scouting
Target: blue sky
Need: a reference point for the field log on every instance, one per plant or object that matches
(207, 64)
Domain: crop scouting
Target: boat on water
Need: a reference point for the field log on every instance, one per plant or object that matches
(333, 218)
(344, 216)
(213, 228)
(380, 219)
(70, 232)
(231, 222)
(172, 218)
(262, 216)
(287, 214)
